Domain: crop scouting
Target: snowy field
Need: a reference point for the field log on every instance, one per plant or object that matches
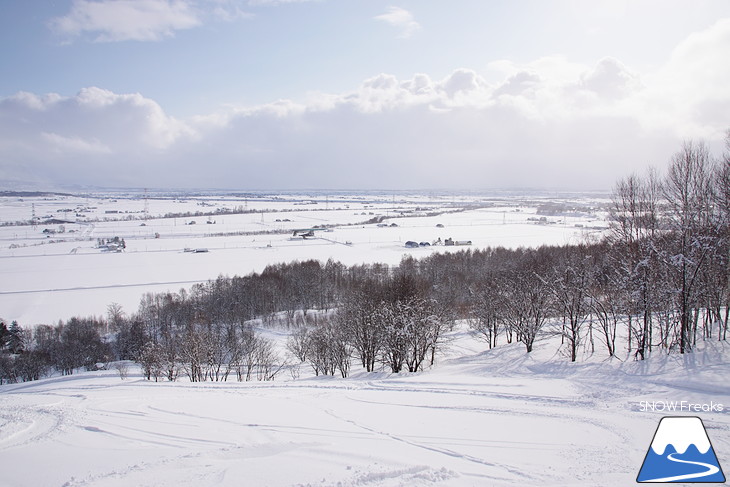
(478, 418)
(54, 269)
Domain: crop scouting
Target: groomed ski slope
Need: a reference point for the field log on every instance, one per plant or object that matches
(487, 418)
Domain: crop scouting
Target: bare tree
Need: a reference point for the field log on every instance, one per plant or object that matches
(569, 284)
(194, 352)
(688, 191)
(634, 231)
(485, 312)
(719, 286)
(526, 297)
(122, 367)
(80, 345)
(151, 359)
(298, 343)
(268, 362)
(361, 319)
(329, 349)
(115, 317)
(607, 296)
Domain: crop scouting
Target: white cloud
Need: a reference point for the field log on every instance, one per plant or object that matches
(124, 20)
(465, 82)
(519, 84)
(95, 121)
(94, 136)
(33, 101)
(229, 10)
(610, 79)
(554, 70)
(401, 19)
(696, 80)
(421, 84)
(75, 145)
(550, 122)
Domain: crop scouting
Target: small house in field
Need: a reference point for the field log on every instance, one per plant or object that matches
(450, 241)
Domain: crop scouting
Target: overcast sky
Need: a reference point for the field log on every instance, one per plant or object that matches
(356, 94)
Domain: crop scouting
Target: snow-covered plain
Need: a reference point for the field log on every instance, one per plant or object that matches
(495, 418)
(48, 276)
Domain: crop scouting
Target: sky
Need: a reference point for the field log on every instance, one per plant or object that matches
(356, 94)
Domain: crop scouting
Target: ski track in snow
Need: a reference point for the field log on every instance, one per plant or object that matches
(458, 425)
(28, 425)
(443, 451)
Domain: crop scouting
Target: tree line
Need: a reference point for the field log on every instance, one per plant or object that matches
(659, 278)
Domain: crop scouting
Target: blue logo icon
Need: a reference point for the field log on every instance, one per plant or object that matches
(681, 452)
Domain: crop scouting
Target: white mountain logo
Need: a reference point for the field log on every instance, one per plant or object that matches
(681, 452)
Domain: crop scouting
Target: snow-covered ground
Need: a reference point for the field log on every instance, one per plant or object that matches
(54, 271)
(478, 418)
(495, 418)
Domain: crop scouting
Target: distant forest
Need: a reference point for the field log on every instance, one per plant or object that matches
(659, 277)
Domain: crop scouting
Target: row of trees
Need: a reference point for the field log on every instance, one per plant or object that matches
(662, 270)
(659, 279)
(672, 236)
(391, 321)
(199, 334)
(32, 354)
